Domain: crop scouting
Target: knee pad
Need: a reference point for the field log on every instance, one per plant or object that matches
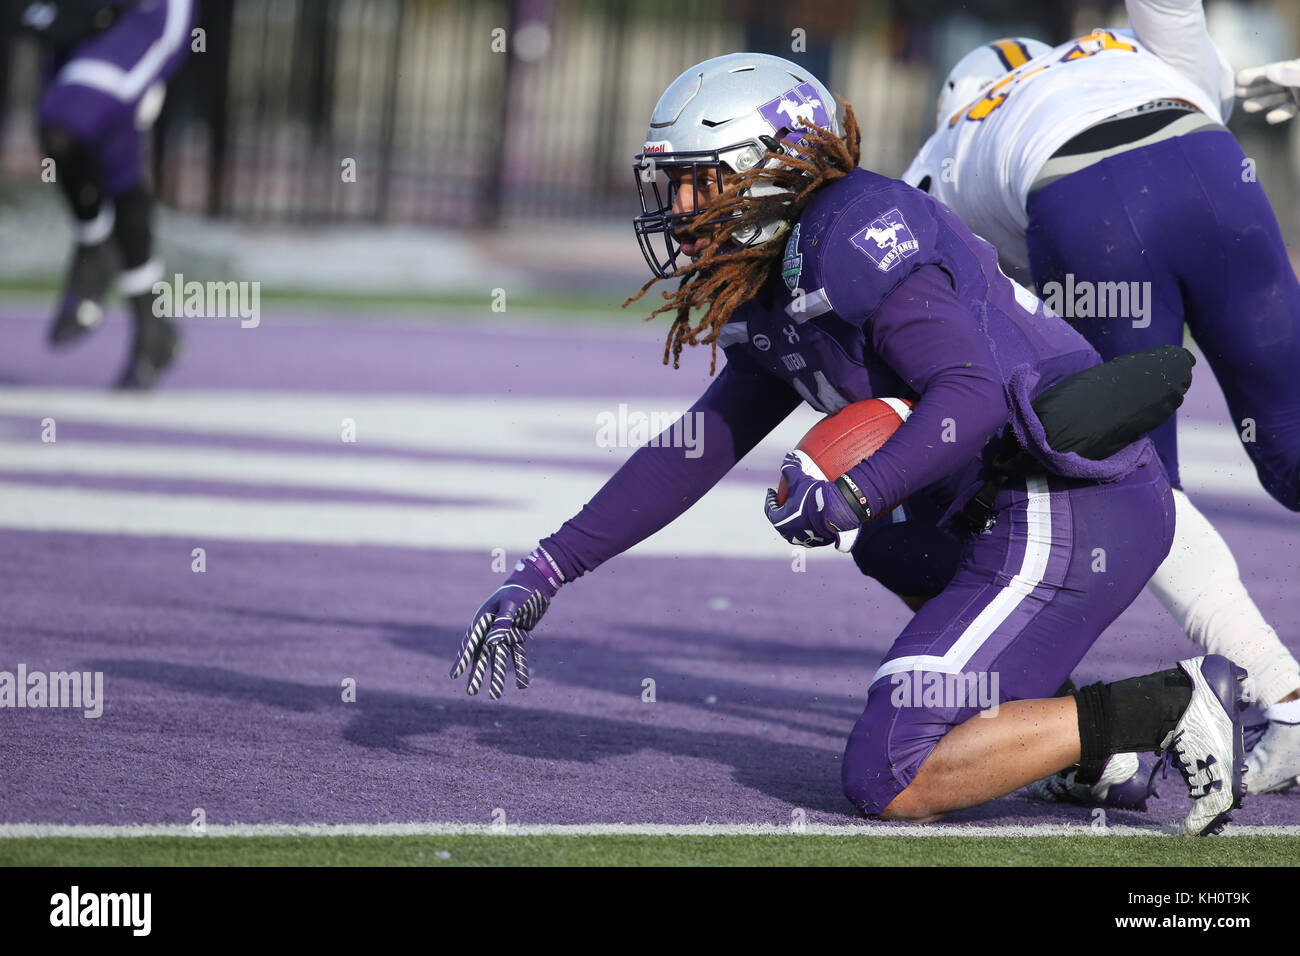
(866, 777)
(885, 749)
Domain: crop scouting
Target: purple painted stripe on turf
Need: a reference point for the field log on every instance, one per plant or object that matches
(373, 357)
(259, 491)
(338, 353)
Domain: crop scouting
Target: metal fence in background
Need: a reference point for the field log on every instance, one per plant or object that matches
(472, 113)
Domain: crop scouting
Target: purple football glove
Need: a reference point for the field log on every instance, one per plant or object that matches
(815, 512)
(496, 636)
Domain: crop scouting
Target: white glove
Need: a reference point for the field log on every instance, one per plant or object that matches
(1274, 87)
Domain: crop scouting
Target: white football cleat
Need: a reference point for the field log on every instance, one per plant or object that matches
(1126, 781)
(1206, 745)
(1274, 760)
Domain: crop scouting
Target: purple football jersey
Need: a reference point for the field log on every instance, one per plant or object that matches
(881, 292)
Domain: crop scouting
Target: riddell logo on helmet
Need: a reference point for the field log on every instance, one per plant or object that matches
(658, 146)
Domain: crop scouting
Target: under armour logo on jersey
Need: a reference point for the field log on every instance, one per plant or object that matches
(887, 240)
(791, 334)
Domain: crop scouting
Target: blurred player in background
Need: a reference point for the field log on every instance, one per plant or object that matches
(105, 66)
(830, 284)
(1104, 163)
(1274, 87)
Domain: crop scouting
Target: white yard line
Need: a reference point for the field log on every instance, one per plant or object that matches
(21, 830)
(559, 429)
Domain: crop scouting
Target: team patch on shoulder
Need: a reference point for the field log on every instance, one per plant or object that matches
(792, 263)
(887, 240)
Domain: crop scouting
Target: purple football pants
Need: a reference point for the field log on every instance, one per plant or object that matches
(1186, 216)
(1028, 599)
(908, 551)
(95, 96)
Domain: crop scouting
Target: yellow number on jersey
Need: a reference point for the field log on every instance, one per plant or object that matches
(1096, 42)
(994, 98)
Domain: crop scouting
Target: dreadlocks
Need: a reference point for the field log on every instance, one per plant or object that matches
(720, 281)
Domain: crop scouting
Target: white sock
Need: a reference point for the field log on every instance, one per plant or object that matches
(1200, 585)
(1288, 713)
(98, 229)
(141, 279)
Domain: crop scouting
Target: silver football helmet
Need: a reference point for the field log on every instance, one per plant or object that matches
(722, 115)
(983, 66)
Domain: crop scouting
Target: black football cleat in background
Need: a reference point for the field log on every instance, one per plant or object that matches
(154, 347)
(93, 268)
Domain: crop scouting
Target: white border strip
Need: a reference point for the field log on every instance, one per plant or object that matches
(903, 410)
(27, 830)
(814, 304)
(733, 333)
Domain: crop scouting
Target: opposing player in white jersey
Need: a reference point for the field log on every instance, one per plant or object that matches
(1101, 170)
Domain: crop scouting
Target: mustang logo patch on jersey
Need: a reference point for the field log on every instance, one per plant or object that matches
(796, 110)
(887, 240)
(792, 264)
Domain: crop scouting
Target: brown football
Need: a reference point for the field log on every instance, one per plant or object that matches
(850, 436)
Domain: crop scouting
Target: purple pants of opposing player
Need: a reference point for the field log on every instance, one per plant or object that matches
(1063, 560)
(101, 94)
(1185, 219)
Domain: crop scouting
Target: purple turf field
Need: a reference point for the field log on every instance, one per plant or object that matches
(328, 560)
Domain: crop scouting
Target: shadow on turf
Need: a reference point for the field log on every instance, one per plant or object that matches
(802, 776)
(619, 668)
(797, 775)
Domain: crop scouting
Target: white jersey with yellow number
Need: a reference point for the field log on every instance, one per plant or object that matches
(984, 158)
